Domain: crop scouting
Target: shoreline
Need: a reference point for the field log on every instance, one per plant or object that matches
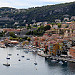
(56, 58)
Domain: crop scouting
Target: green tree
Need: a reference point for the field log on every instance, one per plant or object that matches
(47, 27)
(28, 38)
(35, 32)
(59, 25)
(12, 34)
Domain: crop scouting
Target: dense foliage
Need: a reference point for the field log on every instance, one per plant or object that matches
(40, 31)
(38, 14)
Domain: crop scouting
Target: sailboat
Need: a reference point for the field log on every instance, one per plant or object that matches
(35, 61)
(7, 64)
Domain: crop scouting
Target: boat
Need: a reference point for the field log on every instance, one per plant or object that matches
(6, 64)
(35, 63)
(26, 51)
(22, 56)
(28, 59)
(3, 46)
(19, 47)
(8, 58)
(39, 50)
(54, 61)
(10, 54)
(17, 54)
(60, 62)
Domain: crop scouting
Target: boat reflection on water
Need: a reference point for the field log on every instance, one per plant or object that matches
(64, 65)
(55, 62)
(71, 66)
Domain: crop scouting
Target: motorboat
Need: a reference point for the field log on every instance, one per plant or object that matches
(35, 63)
(10, 54)
(22, 56)
(7, 58)
(54, 61)
(28, 59)
(26, 51)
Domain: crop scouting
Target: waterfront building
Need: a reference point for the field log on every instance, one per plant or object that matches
(72, 52)
(53, 48)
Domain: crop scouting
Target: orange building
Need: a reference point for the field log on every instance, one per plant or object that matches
(53, 48)
(72, 52)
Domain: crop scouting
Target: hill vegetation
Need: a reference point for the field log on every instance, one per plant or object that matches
(11, 17)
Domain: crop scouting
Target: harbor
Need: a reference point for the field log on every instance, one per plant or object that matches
(30, 63)
(60, 58)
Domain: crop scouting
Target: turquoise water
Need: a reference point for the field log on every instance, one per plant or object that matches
(27, 67)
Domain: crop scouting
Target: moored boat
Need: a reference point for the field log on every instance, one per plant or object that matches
(6, 64)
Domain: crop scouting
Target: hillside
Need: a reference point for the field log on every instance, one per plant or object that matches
(11, 17)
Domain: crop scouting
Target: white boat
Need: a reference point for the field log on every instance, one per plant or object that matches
(3, 46)
(7, 64)
(60, 62)
(54, 61)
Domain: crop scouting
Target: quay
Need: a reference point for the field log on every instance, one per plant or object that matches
(63, 59)
(56, 57)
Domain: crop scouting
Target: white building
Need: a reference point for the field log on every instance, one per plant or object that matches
(73, 18)
(58, 21)
(55, 26)
(66, 19)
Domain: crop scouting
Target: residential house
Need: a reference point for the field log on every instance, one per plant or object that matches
(55, 27)
(73, 18)
(66, 19)
(58, 21)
